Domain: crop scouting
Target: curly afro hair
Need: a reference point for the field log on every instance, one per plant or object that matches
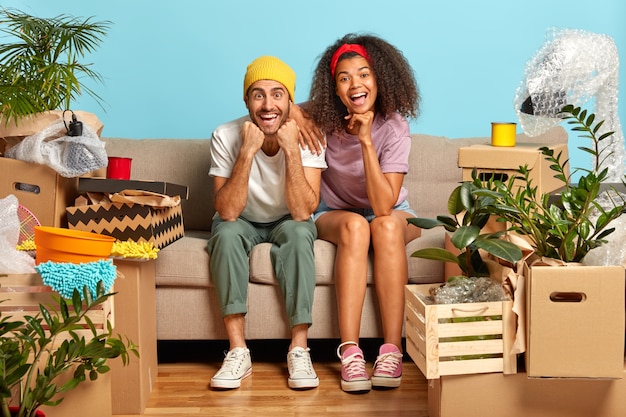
(397, 88)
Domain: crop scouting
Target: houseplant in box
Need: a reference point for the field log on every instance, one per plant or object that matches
(563, 228)
(40, 350)
(40, 68)
(41, 74)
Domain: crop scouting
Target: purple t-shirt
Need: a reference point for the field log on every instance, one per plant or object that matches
(343, 182)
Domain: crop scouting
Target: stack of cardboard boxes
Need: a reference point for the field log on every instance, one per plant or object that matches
(52, 200)
(573, 363)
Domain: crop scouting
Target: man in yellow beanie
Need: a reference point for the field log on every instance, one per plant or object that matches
(266, 187)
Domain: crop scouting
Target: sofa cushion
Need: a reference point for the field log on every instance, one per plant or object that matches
(184, 263)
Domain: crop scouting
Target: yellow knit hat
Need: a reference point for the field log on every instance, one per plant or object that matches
(270, 68)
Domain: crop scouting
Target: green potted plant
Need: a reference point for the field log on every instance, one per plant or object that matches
(563, 227)
(40, 68)
(36, 351)
(468, 214)
(568, 224)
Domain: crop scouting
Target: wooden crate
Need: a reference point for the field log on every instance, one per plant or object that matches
(455, 339)
(21, 294)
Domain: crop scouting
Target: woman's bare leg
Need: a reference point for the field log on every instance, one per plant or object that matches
(350, 233)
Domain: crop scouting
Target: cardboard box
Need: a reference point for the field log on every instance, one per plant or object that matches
(94, 396)
(496, 395)
(575, 321)
(503, 162)
(104, 185)
(453, 339)
(39, 188)
(139, 223)
(136, 313)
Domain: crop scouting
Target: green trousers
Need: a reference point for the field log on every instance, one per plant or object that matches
(291, 255)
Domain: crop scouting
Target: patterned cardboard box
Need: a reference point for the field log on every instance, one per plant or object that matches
(124, 221)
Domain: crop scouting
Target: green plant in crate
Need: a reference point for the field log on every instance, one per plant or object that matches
(33, 357)
(568, 224)
(468, 214)
(40, 68)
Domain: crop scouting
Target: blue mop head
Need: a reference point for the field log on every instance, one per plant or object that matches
(65, 277)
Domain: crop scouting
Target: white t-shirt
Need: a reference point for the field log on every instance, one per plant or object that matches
(266, 187)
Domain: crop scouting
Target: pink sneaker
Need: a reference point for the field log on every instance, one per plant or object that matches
(388, 367)
(354, 377)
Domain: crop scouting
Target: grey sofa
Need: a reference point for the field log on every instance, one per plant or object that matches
(187, 307)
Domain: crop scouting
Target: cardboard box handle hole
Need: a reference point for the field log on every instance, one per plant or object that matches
(568, 297)
(493, 176)
(28, 188)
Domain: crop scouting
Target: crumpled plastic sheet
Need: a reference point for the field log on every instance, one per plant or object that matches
(469, 290)
(12, 261)
(572, 67)
(70, 156)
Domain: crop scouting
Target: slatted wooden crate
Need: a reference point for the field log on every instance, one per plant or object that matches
(21, 294)
(455, 339)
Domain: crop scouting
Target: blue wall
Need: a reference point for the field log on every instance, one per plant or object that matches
(175, 69)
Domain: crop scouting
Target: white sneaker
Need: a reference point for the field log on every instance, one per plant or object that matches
(301, 372)
(237, 365)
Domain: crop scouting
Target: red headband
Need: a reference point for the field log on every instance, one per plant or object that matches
(346, 47)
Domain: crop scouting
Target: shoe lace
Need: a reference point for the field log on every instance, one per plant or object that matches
(232, 361)
(387, 362)
(301, 362)
(354, 365)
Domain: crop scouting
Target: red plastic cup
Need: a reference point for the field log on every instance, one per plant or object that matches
(119, 168)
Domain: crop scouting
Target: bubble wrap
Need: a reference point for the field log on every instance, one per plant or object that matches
(70, 156)
(573, 67)
(469, 290)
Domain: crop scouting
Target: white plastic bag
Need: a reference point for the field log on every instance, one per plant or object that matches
(12, 261)
(70, 156)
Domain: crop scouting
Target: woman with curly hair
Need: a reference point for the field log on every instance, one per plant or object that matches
(362, 93)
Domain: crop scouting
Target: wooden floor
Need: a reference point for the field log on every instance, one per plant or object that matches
(182, 386)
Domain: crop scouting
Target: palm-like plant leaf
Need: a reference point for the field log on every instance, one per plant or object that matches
(40, 68)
